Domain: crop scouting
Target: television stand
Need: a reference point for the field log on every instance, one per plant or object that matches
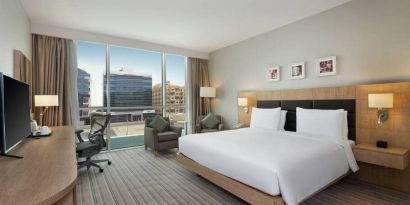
(12, 156)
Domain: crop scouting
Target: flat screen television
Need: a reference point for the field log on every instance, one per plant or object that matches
(14, 112)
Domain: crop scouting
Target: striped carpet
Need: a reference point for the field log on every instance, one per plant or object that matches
(136, 176)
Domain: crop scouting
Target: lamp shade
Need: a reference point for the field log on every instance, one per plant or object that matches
(243, 102)
(381, 100)
(45, 100)
(207, 92)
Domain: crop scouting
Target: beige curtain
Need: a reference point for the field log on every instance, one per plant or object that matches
(199, 78)
(23, 71)
(51, 76)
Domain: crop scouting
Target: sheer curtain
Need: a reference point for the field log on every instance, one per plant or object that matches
(54, 73)
(73, 93)
(198, 70)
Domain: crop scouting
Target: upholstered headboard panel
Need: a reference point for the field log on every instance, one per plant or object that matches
(290, 106)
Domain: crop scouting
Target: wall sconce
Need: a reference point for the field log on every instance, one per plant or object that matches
(243, 104)
(381, 101)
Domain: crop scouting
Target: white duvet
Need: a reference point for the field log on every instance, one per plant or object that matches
(275, 162)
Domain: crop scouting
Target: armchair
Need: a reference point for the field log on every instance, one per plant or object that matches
(158, 141)
(199, 128)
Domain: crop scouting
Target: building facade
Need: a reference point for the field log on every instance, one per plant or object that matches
(83, 85)
(127, 90)
(175, 95)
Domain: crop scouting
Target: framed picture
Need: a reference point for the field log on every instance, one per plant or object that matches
(274, 73)
(297, 70)
(326, 66)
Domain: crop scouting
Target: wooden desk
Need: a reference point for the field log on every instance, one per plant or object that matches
(47, 173)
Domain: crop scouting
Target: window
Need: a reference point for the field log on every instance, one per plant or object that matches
(130, 88)
(175, 88)
(91, 58)
(133, 76)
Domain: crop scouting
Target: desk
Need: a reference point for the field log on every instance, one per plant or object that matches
(47, 173)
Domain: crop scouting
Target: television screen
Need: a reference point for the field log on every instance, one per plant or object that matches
(15, 112)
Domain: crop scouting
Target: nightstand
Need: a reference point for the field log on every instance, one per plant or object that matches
(392, 157)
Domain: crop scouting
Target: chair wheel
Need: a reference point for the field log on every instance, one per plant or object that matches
(109, 162)
(101, 170)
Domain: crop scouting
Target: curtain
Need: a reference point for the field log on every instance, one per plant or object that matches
(198, 69)
(73, 72)
(22, 71)
(53, 66)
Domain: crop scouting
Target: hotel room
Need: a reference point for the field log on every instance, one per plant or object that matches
(267, 102)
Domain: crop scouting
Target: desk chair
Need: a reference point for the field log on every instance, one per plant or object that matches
(95, 143)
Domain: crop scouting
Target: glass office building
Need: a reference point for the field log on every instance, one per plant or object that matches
(127, 90)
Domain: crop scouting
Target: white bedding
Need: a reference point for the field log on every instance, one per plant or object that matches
(275, 162)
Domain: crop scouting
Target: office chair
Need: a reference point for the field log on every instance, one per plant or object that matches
(95, 143)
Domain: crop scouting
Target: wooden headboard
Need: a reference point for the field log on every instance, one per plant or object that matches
(290, 105)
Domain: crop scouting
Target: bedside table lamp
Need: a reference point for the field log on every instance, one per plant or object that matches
(381, 101)
(45, 101)
(207, 92)
(243, 104)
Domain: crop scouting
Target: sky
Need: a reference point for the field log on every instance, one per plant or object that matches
(91, 58)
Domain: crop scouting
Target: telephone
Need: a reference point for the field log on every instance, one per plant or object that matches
(237, 126)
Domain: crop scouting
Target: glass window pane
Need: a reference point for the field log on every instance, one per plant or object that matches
(133, 75)
(91, 58)
(175, 88)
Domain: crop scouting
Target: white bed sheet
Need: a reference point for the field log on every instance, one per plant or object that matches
(275, 162)
(352, 143)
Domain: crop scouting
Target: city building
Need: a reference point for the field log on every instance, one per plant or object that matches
(83, 84)
(129, 89)
(175, 95)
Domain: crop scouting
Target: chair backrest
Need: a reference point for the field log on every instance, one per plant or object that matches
(201, 117)
(148, 120)
(99, 122)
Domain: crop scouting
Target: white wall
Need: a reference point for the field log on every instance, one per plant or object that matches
(15, 33)
(371, 39)
(101, 38)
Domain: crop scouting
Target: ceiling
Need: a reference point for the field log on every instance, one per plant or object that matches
(199, 25)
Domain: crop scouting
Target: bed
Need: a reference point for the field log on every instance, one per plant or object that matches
(264, 166)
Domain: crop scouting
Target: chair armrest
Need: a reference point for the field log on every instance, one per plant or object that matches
(197, 128)
(78, 134)
(150, 136)
(176, 129)
(220, 127)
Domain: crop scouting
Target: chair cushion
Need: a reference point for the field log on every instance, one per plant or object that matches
(167, 136)
(209, 130)
(159, 124)
(210, 121)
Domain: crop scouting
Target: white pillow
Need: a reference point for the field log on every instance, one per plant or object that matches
(265, 118)
(282, 120)
(345, 132)
(320, 122)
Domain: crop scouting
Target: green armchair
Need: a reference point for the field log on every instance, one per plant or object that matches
(158, 141)
(200, 128)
